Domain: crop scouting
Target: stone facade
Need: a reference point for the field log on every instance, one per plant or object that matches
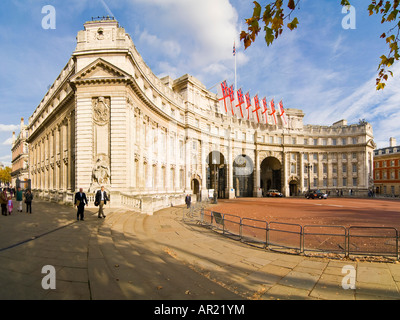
(20, 158)
(108, 120)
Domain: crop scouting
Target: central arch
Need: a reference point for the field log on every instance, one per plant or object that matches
(271, 174)
(243, 176)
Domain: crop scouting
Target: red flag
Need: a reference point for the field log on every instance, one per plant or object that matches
(273, 111)
(257, 107)
(283, 115)
(248, 105)
(240, 102)
(223, 91)
(265, 112)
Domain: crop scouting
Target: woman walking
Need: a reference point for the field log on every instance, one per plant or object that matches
(19, 197)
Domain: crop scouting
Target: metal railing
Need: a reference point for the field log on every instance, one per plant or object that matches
(294, 238)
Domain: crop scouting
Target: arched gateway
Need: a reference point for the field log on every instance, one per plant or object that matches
(108, 119)
(271, 175)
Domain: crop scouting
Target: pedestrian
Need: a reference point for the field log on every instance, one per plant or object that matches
(28, 200)
(10, 205)
(101, 200)
(19, 196)
(3, 202)
(188, 201)
(80, 202)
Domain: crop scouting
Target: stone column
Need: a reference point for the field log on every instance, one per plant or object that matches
(204, 194)
(257, 173)
(231, 191)
(301, 173)
(187, 165)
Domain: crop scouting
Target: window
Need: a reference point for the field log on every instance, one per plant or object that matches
(334, 182)
(334, 142)
(344, 182)
(315, 156)
(334, 169)
(293, 168)
(325, 182)
(354, 156)
(305, 141)
(325, 168)
(315, 142)
(305, 157)
(344, 168)
(271, 139)
(324, 142)
(354, 168)
(315, 182)
(279, 140)
(294, 141)
(355, 140)
(344, 156)
(354, 182)
(344, 142)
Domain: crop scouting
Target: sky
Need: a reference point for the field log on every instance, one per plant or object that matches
(322, 68)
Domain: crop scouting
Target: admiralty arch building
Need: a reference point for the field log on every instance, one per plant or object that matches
(108, 120)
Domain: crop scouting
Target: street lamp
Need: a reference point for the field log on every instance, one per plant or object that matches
(215, 196)
(309, 167)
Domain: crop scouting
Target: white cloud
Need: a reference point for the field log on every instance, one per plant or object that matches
(206, 31)
(8, 142)
(168, 47)
(9, 127)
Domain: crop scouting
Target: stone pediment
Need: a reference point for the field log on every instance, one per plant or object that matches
(100, 71)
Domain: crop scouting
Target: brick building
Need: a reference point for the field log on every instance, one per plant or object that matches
(387, 170)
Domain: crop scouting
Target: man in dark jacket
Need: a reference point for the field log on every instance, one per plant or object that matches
(188, 201)
(3, 202)
(80, 202)
(101, 200)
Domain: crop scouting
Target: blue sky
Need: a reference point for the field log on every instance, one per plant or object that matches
(321, 68)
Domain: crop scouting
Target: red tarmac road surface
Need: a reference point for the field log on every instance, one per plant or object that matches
(334, 211)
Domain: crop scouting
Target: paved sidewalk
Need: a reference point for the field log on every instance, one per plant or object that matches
(132, 256)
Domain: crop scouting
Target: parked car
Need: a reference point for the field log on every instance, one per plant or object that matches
(313, 194)
(274, 193)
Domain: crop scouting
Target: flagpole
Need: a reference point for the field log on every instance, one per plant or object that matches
(234, 53)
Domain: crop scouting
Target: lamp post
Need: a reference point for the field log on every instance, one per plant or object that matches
(309, 167)
(215, 196)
